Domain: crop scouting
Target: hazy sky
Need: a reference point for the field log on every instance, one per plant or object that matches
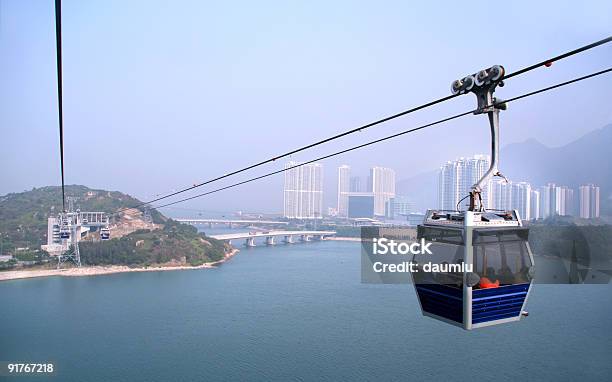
(159, 95)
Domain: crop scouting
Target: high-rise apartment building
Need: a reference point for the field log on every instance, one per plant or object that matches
(521, 199)
(500, 195)
(456, 179)
(513, 196)
(344, 188)
(303, 191)
(589, 201)
(355, 184)
(535, 205)
(556, 200)
(570, 204)
(382, 184)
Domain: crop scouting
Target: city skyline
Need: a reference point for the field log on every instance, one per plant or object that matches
(530, 201)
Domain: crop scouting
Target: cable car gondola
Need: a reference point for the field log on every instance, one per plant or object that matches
(493, 284)
(104, 233)
(64, 233)
(485, 265)
(64, 226)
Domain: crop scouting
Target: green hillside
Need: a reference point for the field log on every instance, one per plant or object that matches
(23, 215)
(176, 242)
(23, 223)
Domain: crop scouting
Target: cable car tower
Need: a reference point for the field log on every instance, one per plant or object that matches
(491, 245)
(72, 224)
(68, 235)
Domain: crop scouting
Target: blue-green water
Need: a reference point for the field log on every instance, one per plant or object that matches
(290, 313)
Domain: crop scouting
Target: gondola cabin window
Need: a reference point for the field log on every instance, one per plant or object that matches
(501, 257)
(447, 247)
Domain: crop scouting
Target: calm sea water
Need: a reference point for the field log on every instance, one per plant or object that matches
(290, 313)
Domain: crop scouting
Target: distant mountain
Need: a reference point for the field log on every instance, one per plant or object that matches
(585, 160)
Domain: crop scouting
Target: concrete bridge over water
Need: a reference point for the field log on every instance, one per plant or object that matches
(270, 236)
(231, 222)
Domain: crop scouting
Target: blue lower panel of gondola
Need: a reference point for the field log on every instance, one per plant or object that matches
(441, 300)
(498, 303)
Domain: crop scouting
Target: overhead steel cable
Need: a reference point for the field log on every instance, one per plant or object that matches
(559, 57)
(542, 90)
(319, 158)
(295, 151)
(595, 74)
(366, 126)
(58, 45)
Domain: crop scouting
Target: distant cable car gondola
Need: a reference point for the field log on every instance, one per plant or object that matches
(104, 233)
(485, 262)
(64, 226)
(64, 233)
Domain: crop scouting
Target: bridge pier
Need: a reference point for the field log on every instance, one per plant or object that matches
(250, 242)
(288, 239)
(270, 240)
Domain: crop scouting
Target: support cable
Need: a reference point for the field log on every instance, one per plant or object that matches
(388, 137)
(58, 42)
(547, 63)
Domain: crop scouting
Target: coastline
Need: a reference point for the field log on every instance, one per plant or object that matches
(343, 238)
(97, 270)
